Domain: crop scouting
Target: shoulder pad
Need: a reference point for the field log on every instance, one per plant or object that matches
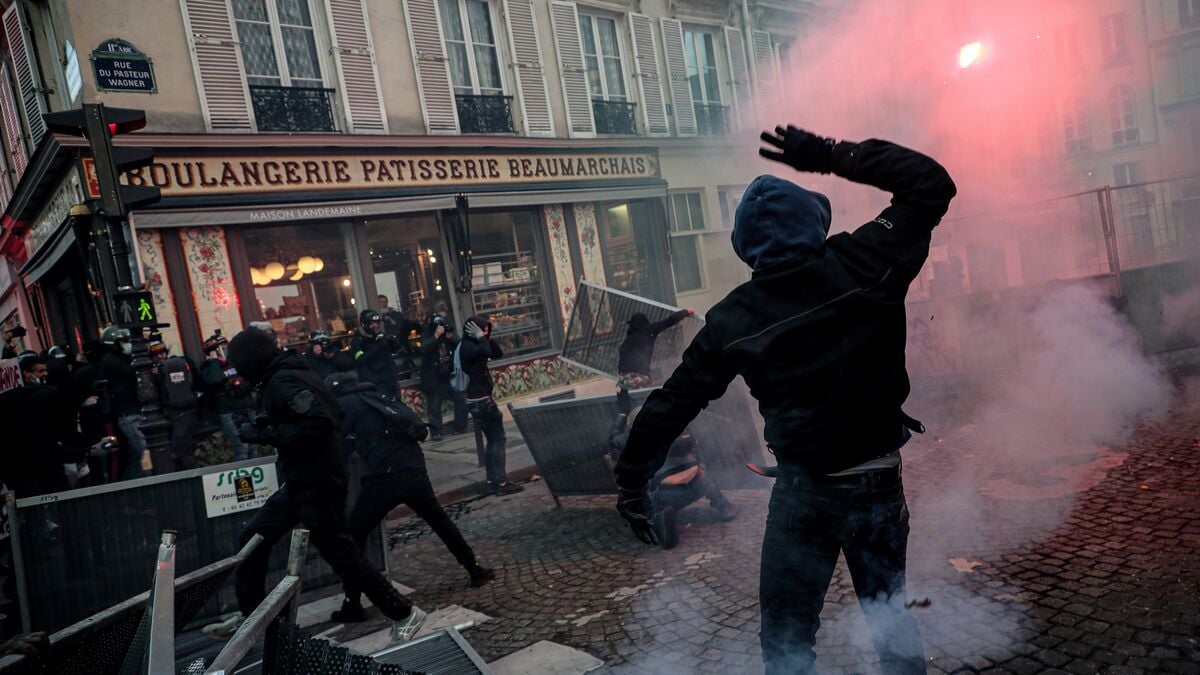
(302, 402)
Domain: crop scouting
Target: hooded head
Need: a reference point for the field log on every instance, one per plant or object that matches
(481, 321)
(778, 220)
(370, 323)
(250, 352)
(637, 321)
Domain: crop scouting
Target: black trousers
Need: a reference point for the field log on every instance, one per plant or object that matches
(434, 398)
(811, 520)
(179, 455)
(383, 492)
(324, 514)
(491, 422)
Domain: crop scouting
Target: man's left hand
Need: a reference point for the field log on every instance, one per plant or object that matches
(634, 507)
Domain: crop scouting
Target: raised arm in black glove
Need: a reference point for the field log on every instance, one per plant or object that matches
(799, 149)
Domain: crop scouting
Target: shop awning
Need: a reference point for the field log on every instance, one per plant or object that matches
(340, 210)
(49, 253)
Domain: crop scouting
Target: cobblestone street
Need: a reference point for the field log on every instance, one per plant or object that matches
(1084, 561)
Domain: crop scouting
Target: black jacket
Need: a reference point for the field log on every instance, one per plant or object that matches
(473, 355)
(637, 349)
(364, 426)
(42, 436)
(374, 362)
(304, 426)
(818, 338)
(117, 369)
(437, 362)
(325, 366)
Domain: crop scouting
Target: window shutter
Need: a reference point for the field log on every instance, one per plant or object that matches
(25, 70)
(355, 58)
(739, 73)
(645, 71)
(564, 17)
(681, 90)
(433, 68)
(12, 127)
(217, 59)
(527, 67)
(5, 188)
(764, 60)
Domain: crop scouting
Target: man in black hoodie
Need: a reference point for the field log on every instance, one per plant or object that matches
(387, 442)
(818, 333)
(637, 351)
(474, 352)
(301, 418)
(372, 349)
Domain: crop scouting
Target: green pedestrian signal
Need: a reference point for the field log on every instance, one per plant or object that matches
(135, 309)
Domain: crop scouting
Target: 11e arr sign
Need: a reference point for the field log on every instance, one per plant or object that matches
(235, 490)
(119, 66)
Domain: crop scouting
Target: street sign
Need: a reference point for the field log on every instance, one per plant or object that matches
(119, 66)
(135, 309)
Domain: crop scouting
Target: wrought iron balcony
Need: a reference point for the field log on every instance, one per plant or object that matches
(292, 108)
(614, 117)
(712, 119)
(490, 114)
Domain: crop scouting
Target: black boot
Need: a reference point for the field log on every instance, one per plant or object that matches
(664, 527)
(481, 575)
(351, 612)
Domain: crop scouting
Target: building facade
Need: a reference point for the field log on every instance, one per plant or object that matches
(320, 157)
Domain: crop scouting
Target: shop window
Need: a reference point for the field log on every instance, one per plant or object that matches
(283, 66)
(686, 221)
(302, 281)
(507, 281)
(412, 280)
(633, 248)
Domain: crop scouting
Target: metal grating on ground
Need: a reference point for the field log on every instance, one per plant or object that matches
(442, 653)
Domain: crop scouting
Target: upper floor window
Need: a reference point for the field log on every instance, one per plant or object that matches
(1189, 13)
(729, 198)
(468, 29)
(283, 65)
(1075, 127)
(1066, 47)
(1121, 115)
(1189, 72)
(700, 53)
(1114, 44)
(602, 57)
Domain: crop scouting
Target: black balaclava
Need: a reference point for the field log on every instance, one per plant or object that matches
(638, 321)
(250, 352)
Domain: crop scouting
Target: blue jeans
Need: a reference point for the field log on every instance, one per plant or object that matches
(229, 429)
(130, 425)
(812, 519)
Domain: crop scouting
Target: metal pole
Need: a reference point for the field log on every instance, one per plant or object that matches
(161, 653)
(296, 556)
(14, 538)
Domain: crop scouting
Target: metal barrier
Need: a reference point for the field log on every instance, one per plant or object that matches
(569, 441)
(283, 601)
(78, 552)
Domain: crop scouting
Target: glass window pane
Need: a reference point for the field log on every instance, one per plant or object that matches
(258, 51)
(296, 304)
(451, 20)
(679, 213)
(460, 72)
(252, 10)
(613, 77)
(712, 86)
(480, 18)
(488, 68)
(413, 279)
(697, 215)
(685, 263)
(633, 249)
(593, 74)
(294, 12)
(300, 46)
(507, 281)
(585, 32)
(608, 37)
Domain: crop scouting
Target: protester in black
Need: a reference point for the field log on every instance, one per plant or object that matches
(637, 351)
(385, 433)
(324, 358)
(437, 362)
(474, 352)
(301, 419)
(116, 368)
(225, 393)
(372, 350)
(179, 383)
(818, 333)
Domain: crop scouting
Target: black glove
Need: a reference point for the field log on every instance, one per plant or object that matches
(801, 150)
(634, 507)
(251, 433)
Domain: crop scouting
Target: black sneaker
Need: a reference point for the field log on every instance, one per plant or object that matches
(436, 438)
(664, 527)
(507, 488)
(351, 612)
(481, 575)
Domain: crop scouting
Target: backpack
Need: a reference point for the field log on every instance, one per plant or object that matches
(399, 420)
(177, 384)
(458, 378)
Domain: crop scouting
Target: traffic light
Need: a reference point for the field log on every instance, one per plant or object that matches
(99, 124)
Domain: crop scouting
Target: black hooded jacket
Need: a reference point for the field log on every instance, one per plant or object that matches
(43, 436)
(637, 349)
(473, 356)
(364, 427)
(373, 357)
(303, 415)
(324, 366)
(818, 333)
(117, 368)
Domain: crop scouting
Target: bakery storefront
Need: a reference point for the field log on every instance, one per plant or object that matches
(306, 239)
